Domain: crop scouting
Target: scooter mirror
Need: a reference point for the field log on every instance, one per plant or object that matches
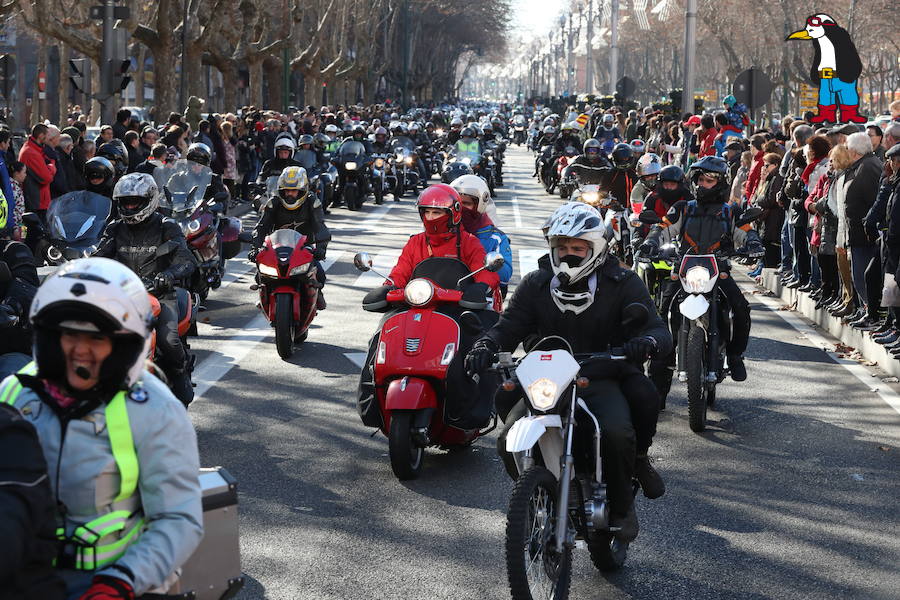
(362, 261)
(493, 261)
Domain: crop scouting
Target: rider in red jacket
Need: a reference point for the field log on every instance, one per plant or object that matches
(441, 212)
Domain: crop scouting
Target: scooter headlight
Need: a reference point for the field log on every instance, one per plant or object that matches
(300, 270)
(698, 280)
(542, 393)
(418, 292)
(268, 270)
(350, 166)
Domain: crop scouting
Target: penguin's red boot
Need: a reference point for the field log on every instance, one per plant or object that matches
(849, 114)
(826, 113)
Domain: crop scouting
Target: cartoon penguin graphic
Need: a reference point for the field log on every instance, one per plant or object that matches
(836, 67)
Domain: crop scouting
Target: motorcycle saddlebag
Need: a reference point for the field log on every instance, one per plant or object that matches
(213, 572)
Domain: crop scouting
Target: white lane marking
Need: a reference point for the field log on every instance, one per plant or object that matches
(528, 259)
(371, 219)
(357, 358)
(890, 397)
(229, 353)
(516, 214)
(332, 258)
(384, 261)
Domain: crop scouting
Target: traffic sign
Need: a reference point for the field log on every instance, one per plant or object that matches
(809, 96)
(42, 81)
(80, 73)
(752, 87)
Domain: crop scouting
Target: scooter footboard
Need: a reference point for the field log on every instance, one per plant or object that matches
(528, 431)
(410, 393)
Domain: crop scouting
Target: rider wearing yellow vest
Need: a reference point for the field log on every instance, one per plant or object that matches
(468, 143)
(120, 449)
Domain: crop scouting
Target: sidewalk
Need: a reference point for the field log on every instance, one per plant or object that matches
(859, 340)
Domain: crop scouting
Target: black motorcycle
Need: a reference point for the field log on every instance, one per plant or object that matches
(75, 224)
(353, 173)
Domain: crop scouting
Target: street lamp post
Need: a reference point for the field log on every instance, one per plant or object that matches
(690, 47)
(589, 47)
(614, 46)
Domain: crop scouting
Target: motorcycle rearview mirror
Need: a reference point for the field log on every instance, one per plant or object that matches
(494, 261)
(362, 261)
(470, 323)
(635, 315)
(5, 274)
(648, 217)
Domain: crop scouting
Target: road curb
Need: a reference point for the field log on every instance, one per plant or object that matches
(802, 303)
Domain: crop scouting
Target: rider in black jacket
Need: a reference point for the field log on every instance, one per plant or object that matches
(16, 293)
(580, 295)
(284, 157)
(138, 239)
(293, 209)
(588, 167)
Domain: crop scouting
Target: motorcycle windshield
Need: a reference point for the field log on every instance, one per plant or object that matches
(272, 186)
(445, 272)
(307, 159)
(285, 238)
(470, 158)
(184, 187)
(403, 142)
(78, 217)
(351, 148)
(707, 261)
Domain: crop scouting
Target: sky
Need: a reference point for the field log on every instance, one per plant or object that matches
(534, 16)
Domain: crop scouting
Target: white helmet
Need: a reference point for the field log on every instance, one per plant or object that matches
(284, 142)
(331, 129)
(575, 220)
(648, 164)
(93, 295)
(475, 186)
(137, 197)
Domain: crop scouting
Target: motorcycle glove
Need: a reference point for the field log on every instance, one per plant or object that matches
(252, 254)
(104, 587)
(480, 357)
(319, 253)
(639, 349)
(476, 292)
(164, 282)
(649, 249)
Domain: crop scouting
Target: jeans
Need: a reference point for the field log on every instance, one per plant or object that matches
(173, 358)
(834, 91)
(801, 253)
(787, 248)
(860, 257)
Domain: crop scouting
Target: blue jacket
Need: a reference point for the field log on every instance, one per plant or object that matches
(8, 197)
(495, 240)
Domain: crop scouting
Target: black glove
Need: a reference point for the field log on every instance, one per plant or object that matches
(319, 254)
(252, 254)
(476, 292)
(164, 282)
(9, 316)
(639, 349)
(480, 356)
(649, 249)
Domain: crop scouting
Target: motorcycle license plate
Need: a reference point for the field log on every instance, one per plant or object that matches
(694, 306)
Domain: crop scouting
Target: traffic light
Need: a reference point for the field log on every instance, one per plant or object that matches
(7, 75)
(120, 76)
(79, 73)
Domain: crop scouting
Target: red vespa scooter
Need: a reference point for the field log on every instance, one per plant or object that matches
(418, 345)
(287, 287)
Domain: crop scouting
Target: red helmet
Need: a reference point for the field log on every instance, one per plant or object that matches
(441, 195)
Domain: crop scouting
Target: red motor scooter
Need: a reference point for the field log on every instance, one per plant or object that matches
(287, 287)
(419, 344)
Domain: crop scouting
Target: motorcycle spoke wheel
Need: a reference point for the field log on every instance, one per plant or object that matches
(406, 457)
(536, 570)
(284, 325)
(695, 356)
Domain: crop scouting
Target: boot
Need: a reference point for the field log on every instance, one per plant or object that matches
(180, 384)
(848, 113)
(626, 525)
(320, 301)
(826, 113)
(738, 370)
(651, 482)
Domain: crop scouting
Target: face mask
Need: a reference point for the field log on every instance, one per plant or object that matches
(708, 194)
(571, 260)
(670, 196)
(649, 183)
(439, 226)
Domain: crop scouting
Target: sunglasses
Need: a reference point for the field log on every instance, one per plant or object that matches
(817, 22)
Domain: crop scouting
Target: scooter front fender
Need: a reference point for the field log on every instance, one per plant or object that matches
(525, 432)
(410, 393)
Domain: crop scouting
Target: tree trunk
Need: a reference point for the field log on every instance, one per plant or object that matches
(274, 83)
(195, 83)
(140, 75)
(229, 86)
(62, 90)
(165, 83)
(255, 91)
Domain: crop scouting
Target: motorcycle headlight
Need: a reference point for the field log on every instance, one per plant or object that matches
(542, 393)
(590, 197)
(698, 280)
(379, 162)
(409, 160)
(467, 160)
(268, 270)
(350, 166)
(300, 270)
(439, 131)
(192, 226)
(418, 292)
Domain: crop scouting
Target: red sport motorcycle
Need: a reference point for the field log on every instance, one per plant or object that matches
(418, 361)
(287, 287)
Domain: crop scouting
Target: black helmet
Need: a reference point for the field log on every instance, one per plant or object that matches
(671, 173)
(710, 165)
(622, 155)
(455, 170)
(98, 168)
(321, 140)
(429, 125)
(358, 130)
(199, 153)
(115, 152)
(305, 139)
(467, 132)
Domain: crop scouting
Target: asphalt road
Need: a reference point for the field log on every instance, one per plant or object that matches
(792, 493)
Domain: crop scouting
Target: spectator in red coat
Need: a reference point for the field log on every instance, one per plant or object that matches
(707, 133)
(40, 168)
(756, 142)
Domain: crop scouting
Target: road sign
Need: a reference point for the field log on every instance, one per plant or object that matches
(809, 96)
(42, 81)
(752, 87)
(79, 69)
(7, 75)
(625, 86)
